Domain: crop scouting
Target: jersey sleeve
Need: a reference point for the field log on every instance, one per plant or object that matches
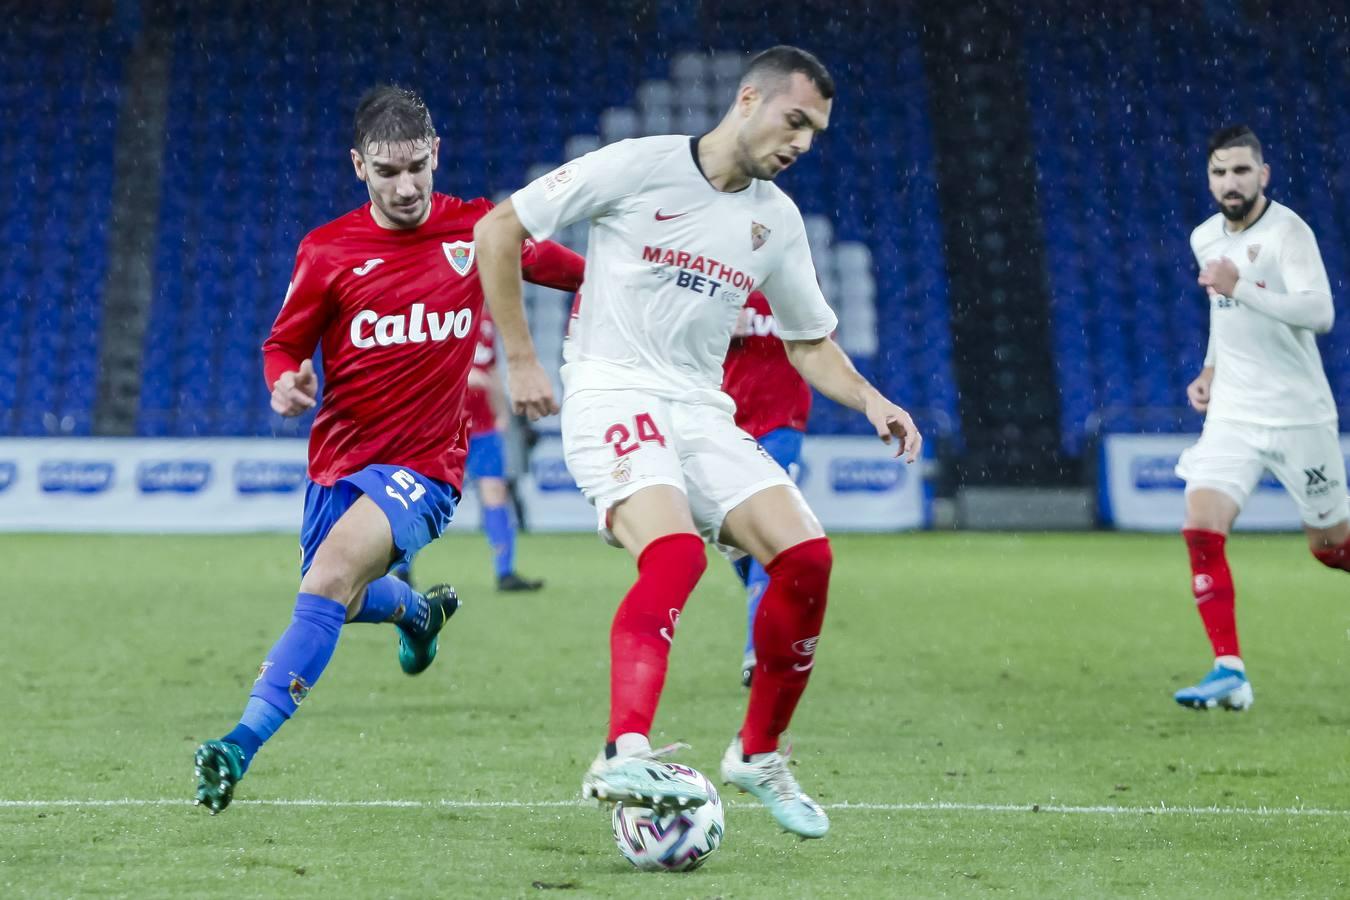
(304, 314)
(585, 188)
(552, 265)
(794, 292)
(1301, 262)
(1195, 246)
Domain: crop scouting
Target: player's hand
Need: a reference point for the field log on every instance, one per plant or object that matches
(296, 392)
(531, 390)
(891, 421)
(1198, 390)
(1221, 275)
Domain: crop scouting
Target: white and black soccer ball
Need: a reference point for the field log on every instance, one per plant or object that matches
(674, 841)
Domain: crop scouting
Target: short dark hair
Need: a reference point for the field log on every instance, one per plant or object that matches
(390, 114)
(1234, 136)
(780, 62)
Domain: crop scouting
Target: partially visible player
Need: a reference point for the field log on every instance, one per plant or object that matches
(391, 293)
(682, 230)
(487, 413)
(1266, 400)
(773, 402)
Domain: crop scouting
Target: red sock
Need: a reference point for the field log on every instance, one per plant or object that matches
(787, 627)
(644, 626)
(1335, 557)
(1212, 584)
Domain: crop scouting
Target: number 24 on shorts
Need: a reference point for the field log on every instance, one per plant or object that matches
(620, 437)
(409, 484)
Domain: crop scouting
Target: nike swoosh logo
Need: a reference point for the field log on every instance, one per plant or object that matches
(661, 218)
(369, 264)
(667, 635)
(1324, 515)
(798, 667)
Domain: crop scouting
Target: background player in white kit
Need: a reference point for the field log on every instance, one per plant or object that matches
(1266, 400)
(682, 230)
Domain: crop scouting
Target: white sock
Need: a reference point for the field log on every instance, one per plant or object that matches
(1230, 662)
(631, 744)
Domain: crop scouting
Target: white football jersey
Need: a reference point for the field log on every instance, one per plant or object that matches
(1266, 372)
(669, 263)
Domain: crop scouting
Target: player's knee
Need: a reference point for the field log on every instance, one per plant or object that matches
(678, 558)
(335, 580)
(804, 568)
(1334, 557)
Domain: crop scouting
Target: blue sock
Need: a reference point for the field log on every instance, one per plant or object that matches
(258, 723)
(501, 535)
(292, 667)
(742, 567)
(390, 599)
(756, 580)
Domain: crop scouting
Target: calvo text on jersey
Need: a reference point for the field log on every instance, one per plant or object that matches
(698, 273)
(370, 329)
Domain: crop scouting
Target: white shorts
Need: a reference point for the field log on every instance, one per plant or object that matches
(618, 442)
(1231, 457)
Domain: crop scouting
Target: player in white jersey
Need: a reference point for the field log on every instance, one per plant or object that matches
(1266, 400)
(682, 229)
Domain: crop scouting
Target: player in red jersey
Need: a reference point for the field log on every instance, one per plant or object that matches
(485, 406)
(772, 403)
(391, 294)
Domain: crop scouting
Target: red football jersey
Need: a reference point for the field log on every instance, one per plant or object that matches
(397, 314)
(768, 391)
(478, 402)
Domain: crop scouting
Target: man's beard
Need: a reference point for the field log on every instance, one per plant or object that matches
(1238, 213)
(751, 166)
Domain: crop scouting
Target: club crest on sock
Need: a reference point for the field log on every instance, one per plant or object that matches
(299, 689)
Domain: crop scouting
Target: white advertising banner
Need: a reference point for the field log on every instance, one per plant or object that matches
(257, 484)
(857, 484)
(1139, 490)
(151, 485)
(852, 483)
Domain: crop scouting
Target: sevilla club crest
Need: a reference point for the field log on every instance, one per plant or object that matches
(459, 254)
(758, 235)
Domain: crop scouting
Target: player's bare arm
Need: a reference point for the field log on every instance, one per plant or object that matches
(296, 392)
(498, 237)
(1197, 392)
(828, 369)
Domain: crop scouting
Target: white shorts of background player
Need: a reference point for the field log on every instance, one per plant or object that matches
(1230, 457)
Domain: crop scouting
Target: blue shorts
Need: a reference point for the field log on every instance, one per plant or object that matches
(487, 456)
(785, 446)
(418, 509)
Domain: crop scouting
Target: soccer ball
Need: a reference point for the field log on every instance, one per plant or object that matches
(676, 841)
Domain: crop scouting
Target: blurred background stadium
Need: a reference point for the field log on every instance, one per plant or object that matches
(999, 213)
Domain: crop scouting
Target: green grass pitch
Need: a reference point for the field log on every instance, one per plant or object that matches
(1001, 704)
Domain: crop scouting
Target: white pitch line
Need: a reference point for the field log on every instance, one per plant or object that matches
(1050, 808)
